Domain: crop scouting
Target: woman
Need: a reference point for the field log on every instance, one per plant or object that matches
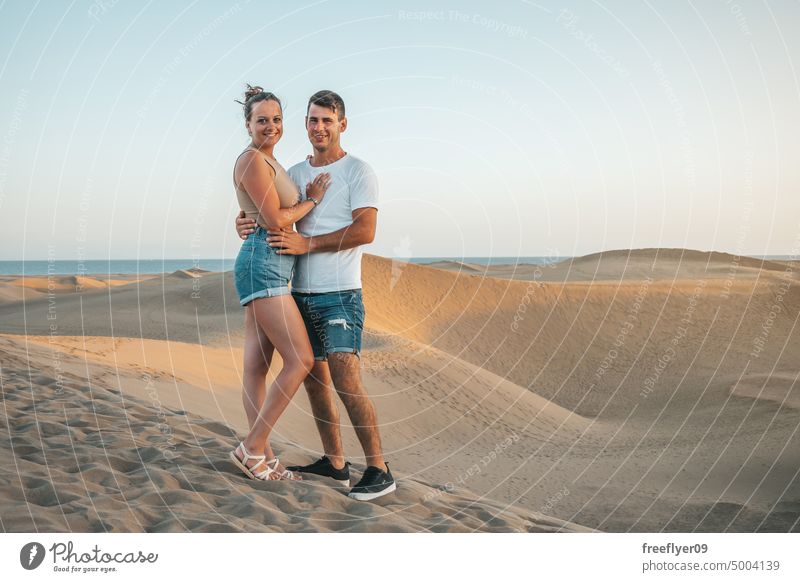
(272, 321)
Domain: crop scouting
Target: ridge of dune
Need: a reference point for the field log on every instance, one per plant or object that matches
(186, 274)
(475, 386)
(635, 264)
(781, 388)
(58, 283)
(78, 281)
(455, 265)
(61, 283)
(677, 254)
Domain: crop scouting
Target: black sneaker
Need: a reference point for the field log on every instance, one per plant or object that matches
(324, 467)
(374, 483)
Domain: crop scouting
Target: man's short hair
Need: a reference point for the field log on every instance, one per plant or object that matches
(327, 99)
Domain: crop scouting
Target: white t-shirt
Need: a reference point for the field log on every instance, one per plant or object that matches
(353, 185)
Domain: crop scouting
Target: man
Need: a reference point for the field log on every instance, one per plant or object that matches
(327, 288)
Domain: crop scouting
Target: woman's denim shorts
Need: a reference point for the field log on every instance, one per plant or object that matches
(259, 271)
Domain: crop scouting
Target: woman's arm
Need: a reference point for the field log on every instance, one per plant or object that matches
(257, 180)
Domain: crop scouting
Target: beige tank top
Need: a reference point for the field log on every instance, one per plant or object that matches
(288, 194)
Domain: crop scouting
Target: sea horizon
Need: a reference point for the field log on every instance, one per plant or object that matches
(156, 266)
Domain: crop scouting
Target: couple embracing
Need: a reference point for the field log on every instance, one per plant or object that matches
(316, 326)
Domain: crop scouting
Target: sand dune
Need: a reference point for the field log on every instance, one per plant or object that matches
(187, 273)
(626, 391)
(663, 264)
(14, 288)
(14, 293)
(65, 283)
(552, 337)
(781, 388)
(457, 266)
(177, 307)
(86, 458)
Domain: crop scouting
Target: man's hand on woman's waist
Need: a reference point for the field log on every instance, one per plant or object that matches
(244, 226)
(288, 241)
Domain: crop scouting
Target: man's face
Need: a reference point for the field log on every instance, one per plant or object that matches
(324, 127)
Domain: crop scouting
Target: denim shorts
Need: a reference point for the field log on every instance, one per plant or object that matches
(259, 271)
(334, 321)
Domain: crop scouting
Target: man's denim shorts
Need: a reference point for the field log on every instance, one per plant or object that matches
(334, 321)
(259, 271)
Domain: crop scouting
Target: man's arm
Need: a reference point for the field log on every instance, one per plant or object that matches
(244, 226)
(360, 232)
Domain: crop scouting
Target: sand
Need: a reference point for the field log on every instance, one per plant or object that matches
(648, 390)
(14, 288)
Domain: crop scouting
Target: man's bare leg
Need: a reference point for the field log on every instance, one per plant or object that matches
(345, 370)
(326, 414)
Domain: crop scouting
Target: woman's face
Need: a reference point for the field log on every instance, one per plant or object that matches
(266, 123)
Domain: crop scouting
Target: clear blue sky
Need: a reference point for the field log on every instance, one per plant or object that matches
(505, 128)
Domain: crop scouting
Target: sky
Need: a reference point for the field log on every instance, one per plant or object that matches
(496, 129)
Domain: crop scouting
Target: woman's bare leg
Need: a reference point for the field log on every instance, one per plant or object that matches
(258, 351)
(282, 324)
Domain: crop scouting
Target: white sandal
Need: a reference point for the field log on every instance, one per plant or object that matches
(285, 475)
(242, 464)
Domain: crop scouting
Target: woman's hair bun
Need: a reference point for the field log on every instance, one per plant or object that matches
(254, 94)
(249, 93)
(252, 91)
